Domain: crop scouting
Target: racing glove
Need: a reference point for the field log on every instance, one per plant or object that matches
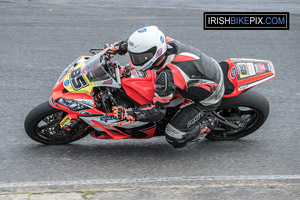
(121, 113)
(117, 47)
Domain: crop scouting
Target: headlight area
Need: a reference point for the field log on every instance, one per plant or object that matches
(76, 104)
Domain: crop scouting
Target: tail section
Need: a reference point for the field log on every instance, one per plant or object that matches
(241, 74)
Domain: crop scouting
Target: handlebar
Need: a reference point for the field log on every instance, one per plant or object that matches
(93, 51)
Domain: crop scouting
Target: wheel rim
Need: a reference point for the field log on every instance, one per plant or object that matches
(48, 128)
(244, 117)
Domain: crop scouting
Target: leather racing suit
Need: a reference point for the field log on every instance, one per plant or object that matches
(190, 74)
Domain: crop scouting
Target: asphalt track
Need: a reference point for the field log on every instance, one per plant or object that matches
(37, 40)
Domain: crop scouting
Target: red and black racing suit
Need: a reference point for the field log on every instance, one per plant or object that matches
(190, 74)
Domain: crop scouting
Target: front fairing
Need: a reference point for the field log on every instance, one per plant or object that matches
(75, 97)
(87, 74)
(67, 69)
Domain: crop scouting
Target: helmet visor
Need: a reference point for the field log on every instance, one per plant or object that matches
(139, 59)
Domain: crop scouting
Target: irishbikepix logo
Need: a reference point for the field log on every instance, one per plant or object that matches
(246, 20)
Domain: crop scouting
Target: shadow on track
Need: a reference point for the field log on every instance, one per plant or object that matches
(140, 150)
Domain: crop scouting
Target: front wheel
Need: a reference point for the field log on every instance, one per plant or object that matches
(248, 111)
(42, 124)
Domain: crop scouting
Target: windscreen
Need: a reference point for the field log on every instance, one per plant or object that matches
(95, 70)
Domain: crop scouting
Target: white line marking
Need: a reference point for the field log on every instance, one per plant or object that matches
(148, 180)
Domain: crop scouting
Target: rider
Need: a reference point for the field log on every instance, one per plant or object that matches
(182, 71)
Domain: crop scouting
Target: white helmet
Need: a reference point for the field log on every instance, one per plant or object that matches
(146, 47)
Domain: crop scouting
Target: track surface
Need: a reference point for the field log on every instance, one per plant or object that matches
(38, 40)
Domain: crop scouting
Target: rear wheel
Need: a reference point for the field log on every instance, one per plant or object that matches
(248, 111)
(42, 124)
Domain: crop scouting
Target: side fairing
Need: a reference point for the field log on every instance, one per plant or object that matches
(140, 89)
(109, 122)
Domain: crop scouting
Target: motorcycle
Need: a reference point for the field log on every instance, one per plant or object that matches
(82, 99)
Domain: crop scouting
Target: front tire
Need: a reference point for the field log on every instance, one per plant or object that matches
(249, 109)
(42, 125)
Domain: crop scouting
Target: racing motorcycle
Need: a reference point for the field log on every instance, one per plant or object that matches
(82, 99)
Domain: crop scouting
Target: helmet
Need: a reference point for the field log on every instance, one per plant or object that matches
(146, 46)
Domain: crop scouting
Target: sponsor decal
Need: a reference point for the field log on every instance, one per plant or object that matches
(248, 85)
(108, 118)
(84, 70)
(262, 67)
(142, 30)
(251, 69)
(123, 123)
(257, 68)
(242, 67)
(233, 73)
(242, 87)
(66, 83)
(201, 81)
(195, 119)
(267, 67)
(65, 121)
(107, 82)
(159, 87)
(159, 52)
(162, 39)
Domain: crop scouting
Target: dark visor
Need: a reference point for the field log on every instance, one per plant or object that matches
(141, 58)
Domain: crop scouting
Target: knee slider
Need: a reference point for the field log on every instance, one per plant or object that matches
(175, 136)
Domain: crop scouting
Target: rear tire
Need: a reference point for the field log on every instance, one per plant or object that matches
(250, 99)
(38, 115)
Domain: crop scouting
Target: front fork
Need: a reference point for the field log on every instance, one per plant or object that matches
(69, 122)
